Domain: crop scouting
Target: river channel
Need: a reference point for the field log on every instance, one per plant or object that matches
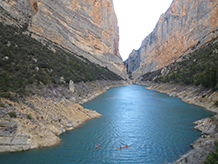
(158, 127)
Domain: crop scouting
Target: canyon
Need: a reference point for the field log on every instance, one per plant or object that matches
(86, 28)
(39, 119)
(182, 29)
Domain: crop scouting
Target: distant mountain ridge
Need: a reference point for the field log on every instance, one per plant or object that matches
(185, 26)
(87, 28)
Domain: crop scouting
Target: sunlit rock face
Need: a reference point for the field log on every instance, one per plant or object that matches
(185, 26)
(86, 27)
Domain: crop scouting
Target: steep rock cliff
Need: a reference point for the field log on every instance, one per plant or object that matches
(133, 62)
(185, 26)
(85, 27)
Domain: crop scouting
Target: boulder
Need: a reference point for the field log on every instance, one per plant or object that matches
(16, 148)
(73, 99)
(5, 58)
(165, 71)
(54, 118)
(69, 125)
(19, 141)
(4, 148)
(61, 131)
(173, 94)
(211, 130)
(6, 124)
(71, 86)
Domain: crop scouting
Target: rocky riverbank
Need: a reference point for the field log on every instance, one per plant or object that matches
(37, 120)
(208, 126)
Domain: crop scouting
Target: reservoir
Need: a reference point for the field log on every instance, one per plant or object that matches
(158, 127)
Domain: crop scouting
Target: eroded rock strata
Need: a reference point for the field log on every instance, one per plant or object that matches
(184, 27)
(37, 120)
(85, 27)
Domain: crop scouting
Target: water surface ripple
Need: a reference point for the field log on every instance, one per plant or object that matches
(158, 127)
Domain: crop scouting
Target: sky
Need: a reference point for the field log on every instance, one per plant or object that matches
(136, 20)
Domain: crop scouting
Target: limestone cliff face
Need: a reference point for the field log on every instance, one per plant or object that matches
(185, 26)
(133, 62)
(86, 27)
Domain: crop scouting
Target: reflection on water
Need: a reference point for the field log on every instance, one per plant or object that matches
(158, 127)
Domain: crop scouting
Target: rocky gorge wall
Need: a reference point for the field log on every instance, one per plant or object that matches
(183, 28)
(37, 120)
(85, 27)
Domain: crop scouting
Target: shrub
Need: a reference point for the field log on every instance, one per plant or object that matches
(200, 68)
(31, 63)
(29, 116)
(2, 105)
(12, 114)
(216, 87)
(212, 158)
(216, 104)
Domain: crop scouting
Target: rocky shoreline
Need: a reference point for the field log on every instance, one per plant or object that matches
(53, 110)
(209, 126)
(36, 121)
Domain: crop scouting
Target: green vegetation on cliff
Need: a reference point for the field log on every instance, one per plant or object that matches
(199, 67)
(25, 61)
(212, 158)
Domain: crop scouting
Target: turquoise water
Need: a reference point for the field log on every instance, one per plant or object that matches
(158, 127)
